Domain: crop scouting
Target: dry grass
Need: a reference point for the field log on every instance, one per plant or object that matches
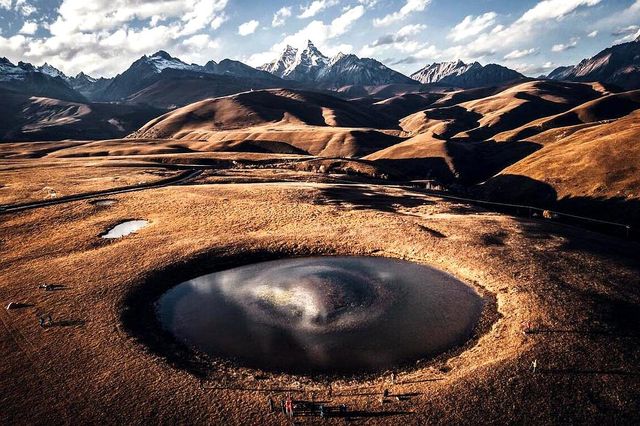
(22, 182)
(579, 290)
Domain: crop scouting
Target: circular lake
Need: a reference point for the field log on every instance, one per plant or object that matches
(322, 314)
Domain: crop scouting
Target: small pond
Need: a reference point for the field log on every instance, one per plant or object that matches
(125, 228)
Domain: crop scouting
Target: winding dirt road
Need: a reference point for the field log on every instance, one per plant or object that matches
(182, 178)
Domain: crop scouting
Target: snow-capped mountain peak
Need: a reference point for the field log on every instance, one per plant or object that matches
(51, 71)
(337, 57)
(312, 55)
(84, 77)
(459, 74)
(9, 71)
(161, 60)
(311, 65)
(279, 65)
(437, 71)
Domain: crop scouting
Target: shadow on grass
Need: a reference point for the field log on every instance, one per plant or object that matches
(68, 323)
(575, 371)
(362, 198)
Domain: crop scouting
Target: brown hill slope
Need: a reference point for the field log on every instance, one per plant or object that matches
(482, 118)
(278, 121)
(593, 170)
(403, 105)
(248, 109)
(24, 118)
(169, 93)
(608, 107)
(451, 161)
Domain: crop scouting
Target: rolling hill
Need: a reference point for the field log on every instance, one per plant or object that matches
(33, 118)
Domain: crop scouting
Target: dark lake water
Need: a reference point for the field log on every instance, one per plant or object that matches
(322, 314)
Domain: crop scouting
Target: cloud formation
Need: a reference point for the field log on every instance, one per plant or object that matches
(561, 47)
(280, 17)
(316, 7)
(319, 32)
(517, 54)
(471, 26)
(410, 7)
(97, 36)
(101, 37)
(248, 27)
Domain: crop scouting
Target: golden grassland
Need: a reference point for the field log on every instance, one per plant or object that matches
(577, 291)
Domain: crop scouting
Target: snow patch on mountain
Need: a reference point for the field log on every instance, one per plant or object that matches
(310, 65)
(161, 60)
(436, 72)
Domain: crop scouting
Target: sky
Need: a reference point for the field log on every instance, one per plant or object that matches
(103, 37)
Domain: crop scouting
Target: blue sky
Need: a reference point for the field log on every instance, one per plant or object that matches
(102, 37)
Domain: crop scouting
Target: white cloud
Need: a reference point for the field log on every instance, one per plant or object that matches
(409, 30)
(528, 26)
(218, 20)
(25, 8)
(626, 30)
(593, 34)
(629, 33)
(471, 26)
(554, 9)
(96, 37)
(534, 69)
(200, 41)
(427, 53)
(280, 17)
(517, 54)
(29, 28)
(399, 41)
(96, 15)
(5, 4)
(248, 27)
(317, 31)
(316, 7)
(201, 14)
(627, 16)
(342, 23)
(565, 46)
(13, 45)
(406, 10)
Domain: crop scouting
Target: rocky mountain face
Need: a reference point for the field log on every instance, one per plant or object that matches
(618, 65)
(560, 73)
(237, 69)
(88, 86)
(144, 72)
(344, 70)
(466, 76)
(437, 71)
(309, 65)
(82, 83)
(304, 65)
(162, 74)
(282, 63)
(43, 81)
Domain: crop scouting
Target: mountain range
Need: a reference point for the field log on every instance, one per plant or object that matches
(618, 65)
(164, 81)
(466, 76)
(486, 128)
(161, 81)
(309, 65)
